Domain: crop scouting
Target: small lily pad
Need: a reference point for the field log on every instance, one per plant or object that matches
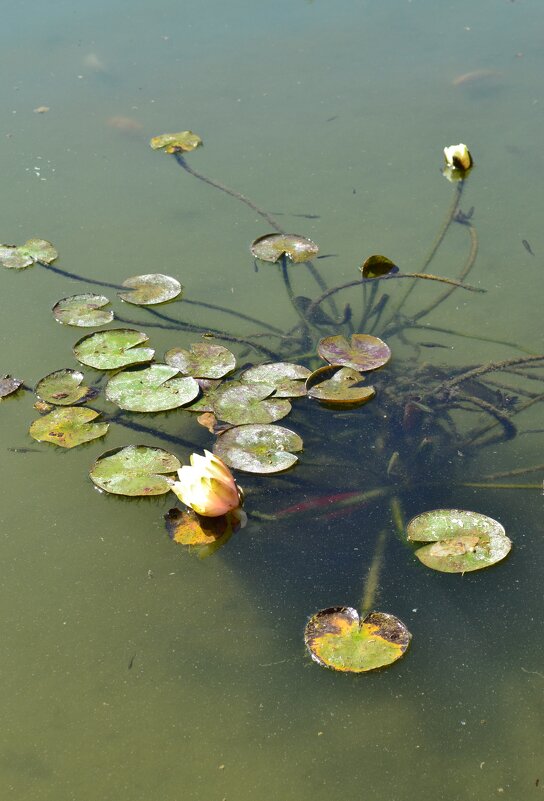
(151, 389)
(17, 257)
(181, 142)
(286, 378)
(8, 385)
(146, 290)
(338, 639)
(335, 385)
(63, 388)
(461, 541)
(68, 427)
(249, 403)
(271, 247)
(109, 350)
(203, 360)
(186, 527)
(134, 470)
(258, 448)
(377, 266)
(84, 311)
(364, 353)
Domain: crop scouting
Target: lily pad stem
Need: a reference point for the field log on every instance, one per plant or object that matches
(372, 580)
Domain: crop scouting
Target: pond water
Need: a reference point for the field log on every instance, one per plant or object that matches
(133, 670)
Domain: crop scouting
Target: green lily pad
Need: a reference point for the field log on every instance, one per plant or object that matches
(151, 389)
(109, 350)
(271, 247)
(364, 353)
(258, 448)
(146, 290)
(134, 470)
(461, 541)
(84, 311)
(376, 266)
(336, 386)
(338, 639)
(249, 403)
(17, 257)
(63, 388)
(203, 360)
(286, 378)
(68, 427)
(8, 385)
(181, 142)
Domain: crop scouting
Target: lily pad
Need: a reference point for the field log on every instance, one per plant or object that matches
(336, 386)
(134, 470)
(186, 527)
(68, 427)
(84, 311)
(364, 353)
(181, 142)
(203, 360)
(338, 639)
(63, 388)
(8, 385)
(271, 247)
(17, 257)
(109, 350)
(376, 266)
(258, 448)
(249, 403)
(146, 290)
(286, 378)
(151, 389)
(461, 541)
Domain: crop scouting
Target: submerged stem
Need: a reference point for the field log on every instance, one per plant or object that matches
(370, 588)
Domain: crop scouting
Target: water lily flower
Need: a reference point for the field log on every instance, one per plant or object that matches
(458, 157)
(208, 486)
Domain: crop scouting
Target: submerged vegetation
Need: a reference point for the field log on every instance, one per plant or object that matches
(412, 417)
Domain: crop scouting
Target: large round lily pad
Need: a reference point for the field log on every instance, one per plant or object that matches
(364, 353)
(203, 360)
(376, 266)
(151, 389)
(271, 247)
(146, 290)
(109, 350)
(337, 386)
(68, 427)
(84, 311)
(286, 378)
(8, 385)
(17, 257)
(181, 142)
(135, 470)
(258, 448)
(63, 388)
(337, 638)
(461, 541)
(249, 403)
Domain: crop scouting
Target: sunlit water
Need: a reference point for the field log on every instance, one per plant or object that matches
(130, 669)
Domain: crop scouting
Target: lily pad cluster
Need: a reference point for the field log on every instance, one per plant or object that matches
(17, 257)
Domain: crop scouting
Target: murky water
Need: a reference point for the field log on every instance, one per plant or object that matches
(132, 670)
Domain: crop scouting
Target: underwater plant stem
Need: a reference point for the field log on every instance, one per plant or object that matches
(519, 471)
(238, 195)
(447, 386)
(77, 277)
(370, 588)
(450, 216)
(398, 517)
(368, 307)
(484, 485)
(466, 335)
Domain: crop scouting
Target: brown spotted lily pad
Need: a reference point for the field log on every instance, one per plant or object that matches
(151, 389)
(84, 311)
(8, 385)
(135, 470)
(181, 142)
(363, 353)
(146, 290)
(337, 386)
(64, 388)
(271, 247)
(286, 378)
(377, 266)
(203, 360)
(258, 448)
(249, 403)
(188, 528)
(338, 639)
(460, 541)
(17, 257)
(68, 427)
